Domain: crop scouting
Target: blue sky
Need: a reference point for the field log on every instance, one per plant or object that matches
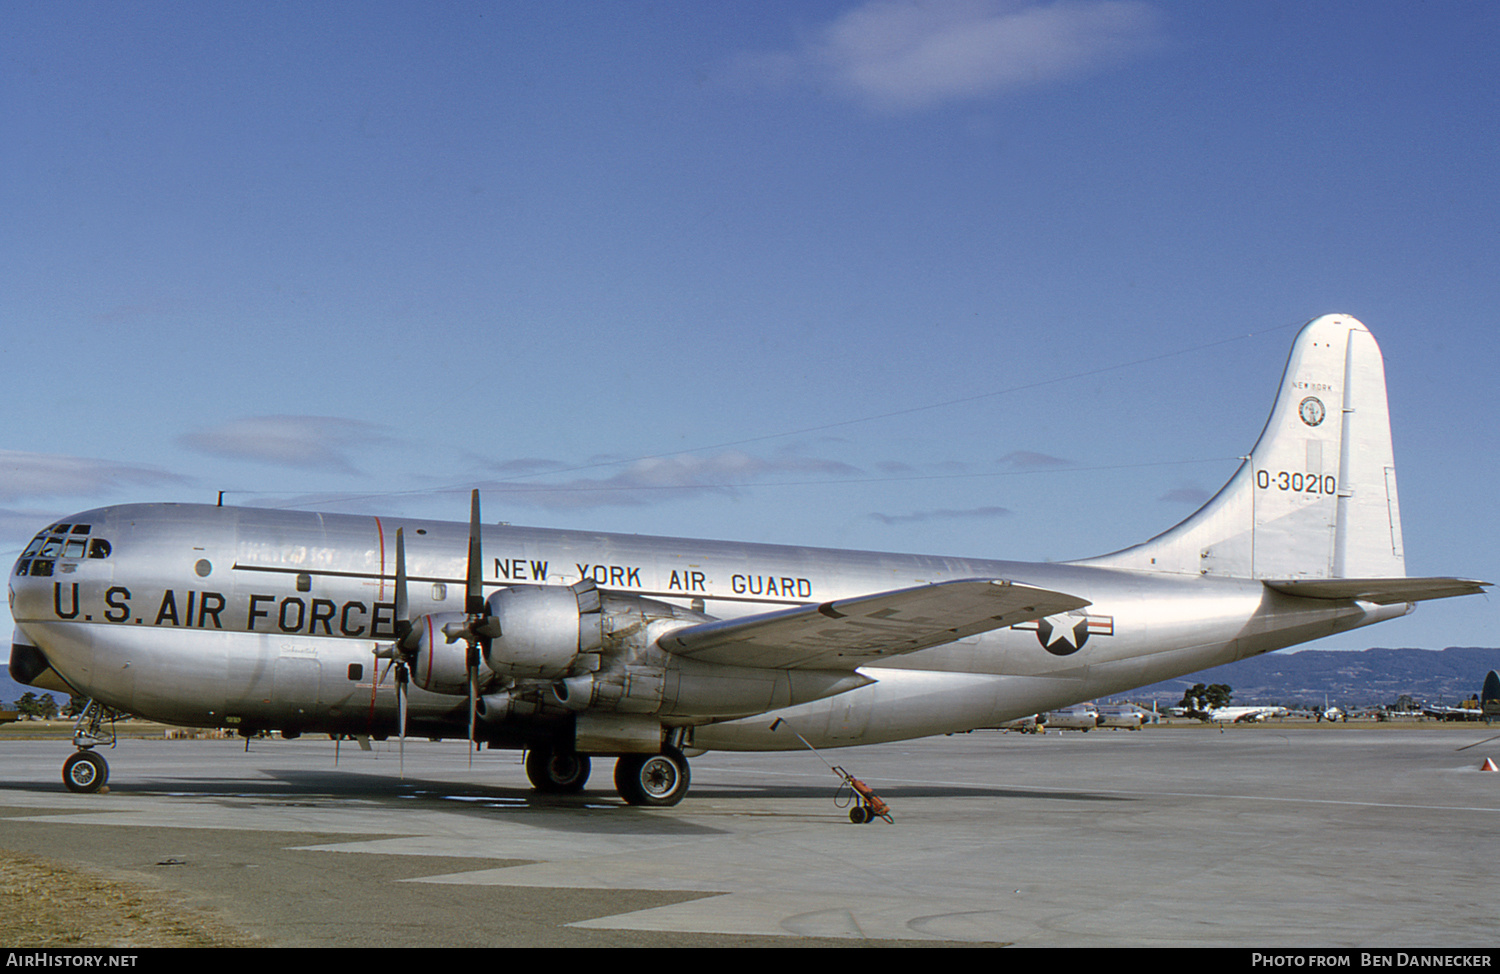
(991, 278)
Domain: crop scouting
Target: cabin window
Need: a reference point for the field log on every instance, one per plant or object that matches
(356, 671)
(304, 582)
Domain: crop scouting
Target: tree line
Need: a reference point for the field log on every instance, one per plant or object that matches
(45, 707)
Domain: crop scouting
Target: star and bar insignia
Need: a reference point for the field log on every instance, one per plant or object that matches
(1065, 634)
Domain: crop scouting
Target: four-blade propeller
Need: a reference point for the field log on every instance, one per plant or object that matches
(476, 630)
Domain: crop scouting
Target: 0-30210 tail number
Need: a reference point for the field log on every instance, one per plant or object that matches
(1297, 483)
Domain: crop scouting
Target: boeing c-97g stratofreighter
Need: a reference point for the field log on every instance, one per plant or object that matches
(576, 645)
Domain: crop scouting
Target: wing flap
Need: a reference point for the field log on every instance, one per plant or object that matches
(1381, 591)
(847, 633)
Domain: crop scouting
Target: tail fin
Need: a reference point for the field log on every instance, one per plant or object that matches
(1316, 498)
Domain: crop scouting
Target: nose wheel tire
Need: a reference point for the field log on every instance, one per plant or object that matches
(653, 780)
(85, 772)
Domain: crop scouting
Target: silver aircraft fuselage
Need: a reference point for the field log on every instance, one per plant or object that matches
(575, 645)
(221, 616)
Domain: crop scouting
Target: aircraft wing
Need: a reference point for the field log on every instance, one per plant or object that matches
(1381, 591)
(847, 633)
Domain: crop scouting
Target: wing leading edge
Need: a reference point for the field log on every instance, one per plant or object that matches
(847, 633)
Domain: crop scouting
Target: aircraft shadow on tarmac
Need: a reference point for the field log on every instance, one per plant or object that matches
(312, 787)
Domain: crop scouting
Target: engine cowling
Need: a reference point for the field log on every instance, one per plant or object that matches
(528, 633)
(540, 632)
(438, 665)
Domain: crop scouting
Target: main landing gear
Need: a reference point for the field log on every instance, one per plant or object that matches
(555, 771)
(652, 780)
(86, 771)
(655, 780)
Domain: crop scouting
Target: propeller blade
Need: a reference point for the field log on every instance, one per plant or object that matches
(403, 606)
(473, 585)
(477, 610)
(473, 696)
(378, 678)
(401, 681)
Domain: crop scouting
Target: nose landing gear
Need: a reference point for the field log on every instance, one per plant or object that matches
(85, 771)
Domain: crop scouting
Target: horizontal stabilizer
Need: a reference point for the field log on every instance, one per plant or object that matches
(847, 633)
(1381, 591)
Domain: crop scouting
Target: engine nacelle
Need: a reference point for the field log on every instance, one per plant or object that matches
(539, 632)
(436, 664)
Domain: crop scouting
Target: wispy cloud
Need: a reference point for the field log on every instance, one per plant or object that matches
(55, 475)
(1195, 496)
(659, 480)
(303, 442)
(1029, 460)
(906, 55)
(18, 525)
(943, 514)
(526, 466)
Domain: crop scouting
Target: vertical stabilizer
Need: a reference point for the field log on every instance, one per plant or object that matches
(1317, 496)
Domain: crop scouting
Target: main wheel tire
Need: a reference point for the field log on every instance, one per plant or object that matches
(85, 772)
(654, 780)
(554, 771)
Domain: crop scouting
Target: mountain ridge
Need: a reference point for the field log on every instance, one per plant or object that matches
(1369, 677)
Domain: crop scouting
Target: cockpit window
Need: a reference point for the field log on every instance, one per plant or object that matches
(60, 541)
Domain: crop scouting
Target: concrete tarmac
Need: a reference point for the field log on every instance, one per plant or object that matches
(1267, 836)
